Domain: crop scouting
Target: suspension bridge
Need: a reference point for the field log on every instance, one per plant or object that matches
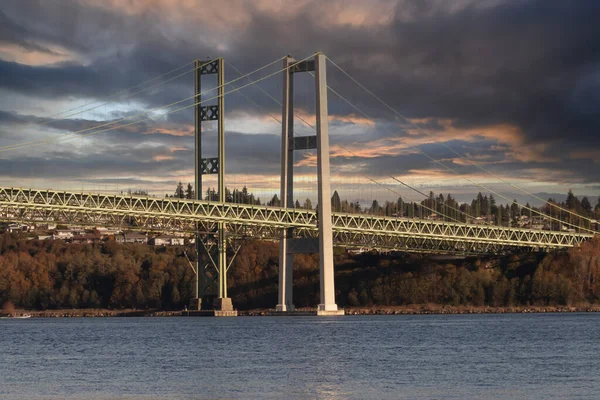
(219, 225)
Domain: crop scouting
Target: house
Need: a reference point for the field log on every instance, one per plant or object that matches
(62, 234)
(167, 240)
(478, 221)
(131, 238)
(107, 231)
(15, 227)
(44, 237)
(433, 217)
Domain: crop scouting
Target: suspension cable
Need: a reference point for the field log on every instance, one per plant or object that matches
(45, 141)
(343, 147)
(451, 149)
(117, 94)
(471, 181)
(70, 136)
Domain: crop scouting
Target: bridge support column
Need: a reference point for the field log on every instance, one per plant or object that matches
(320, 142)
(285, 301)
(196, 302)
(213, 273)
(328, 305)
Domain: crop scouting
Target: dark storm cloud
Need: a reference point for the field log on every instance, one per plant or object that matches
(533, 64)
(519, 62)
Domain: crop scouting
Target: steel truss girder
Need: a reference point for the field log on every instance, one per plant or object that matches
(209, 166)
(261, 222)
(209, 68)
(209, 113)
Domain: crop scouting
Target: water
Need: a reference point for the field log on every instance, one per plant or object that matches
(360, 357)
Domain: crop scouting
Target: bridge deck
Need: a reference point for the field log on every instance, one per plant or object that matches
(353, 230)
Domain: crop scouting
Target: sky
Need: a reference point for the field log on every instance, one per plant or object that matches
(500, 93)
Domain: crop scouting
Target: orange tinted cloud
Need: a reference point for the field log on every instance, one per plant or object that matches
(162, 157)
(349, 119)
(237, 14)
(510, 139)
(174, 132)
(12, 52)
(511, 136)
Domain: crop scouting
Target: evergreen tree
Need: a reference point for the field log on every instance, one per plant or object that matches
(499, 215)
(375, 207)
(572, 202)
(212, 195)
(586, 206)
(179, 192)
(493, 206)
(388, 208)
(308, 204)
(336, 203)
(400, 206)
(189, 193)
(515, 210)
(245, 196)
(274, 202)
(411, 210)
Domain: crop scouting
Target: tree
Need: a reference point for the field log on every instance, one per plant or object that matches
(499, 215)
(440, 206)
(400, 206)
(586, 206)
(179, 193)
(189, 193)
(390, 208)
(336, 203)
(572, 202)
(375, 208)
(245, 196)
(493, 206)
(515, 210)
(274, 201)
(411, 210)
(211, 194)
(308, 204)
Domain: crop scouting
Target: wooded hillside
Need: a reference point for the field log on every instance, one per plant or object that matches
(53, 274)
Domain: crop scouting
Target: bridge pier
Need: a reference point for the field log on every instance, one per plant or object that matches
(214, 271)
(328, 305)
(285, 300)
(320, 142)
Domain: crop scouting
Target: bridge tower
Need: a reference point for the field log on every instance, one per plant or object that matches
(324, 244)
(211, 271)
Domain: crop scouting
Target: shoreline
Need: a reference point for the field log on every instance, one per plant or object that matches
(426, 309)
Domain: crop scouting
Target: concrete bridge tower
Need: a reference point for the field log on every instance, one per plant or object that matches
(324, 243)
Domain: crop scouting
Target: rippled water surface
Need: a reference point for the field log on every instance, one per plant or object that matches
(362, 357)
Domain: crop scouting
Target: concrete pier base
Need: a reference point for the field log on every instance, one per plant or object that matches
(210, 313)
(330, 313)
(222, 308)
(223, 304)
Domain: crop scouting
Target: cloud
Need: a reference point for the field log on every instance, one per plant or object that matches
(514, 85)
